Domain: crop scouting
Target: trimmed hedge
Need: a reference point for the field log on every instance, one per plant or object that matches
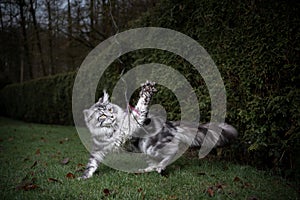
(256, 45)
(45, 100)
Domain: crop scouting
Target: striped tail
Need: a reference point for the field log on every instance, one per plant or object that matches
(228, 133)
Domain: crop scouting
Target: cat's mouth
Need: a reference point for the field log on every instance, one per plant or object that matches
(105, 123)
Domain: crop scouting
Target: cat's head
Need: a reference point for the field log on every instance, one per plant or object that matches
(102, 115)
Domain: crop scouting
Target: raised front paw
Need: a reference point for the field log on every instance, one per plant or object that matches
(148, 88)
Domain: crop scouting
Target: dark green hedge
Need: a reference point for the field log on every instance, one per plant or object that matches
(45, 100)
(256, 45)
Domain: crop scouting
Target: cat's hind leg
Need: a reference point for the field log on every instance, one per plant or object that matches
(159, 164)
(164, 163)
(151, 166)
(157, 167)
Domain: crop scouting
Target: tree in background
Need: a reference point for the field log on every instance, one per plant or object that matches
(40, 38)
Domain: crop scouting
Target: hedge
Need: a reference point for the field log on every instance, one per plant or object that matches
(256, 46)
(45, 100)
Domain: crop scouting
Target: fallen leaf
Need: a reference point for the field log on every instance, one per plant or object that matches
(70, 175)
(54, 180)
(38, 152)
(27, 185)
(246, 185)
(236, 179)
(30, 187)
(220, 186)
(65, 161)
(210, 192)
(80, 167)
(106, 192)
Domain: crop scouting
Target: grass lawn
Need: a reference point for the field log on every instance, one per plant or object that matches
(43, 162)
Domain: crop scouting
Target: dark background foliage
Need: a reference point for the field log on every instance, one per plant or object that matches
(255, 45)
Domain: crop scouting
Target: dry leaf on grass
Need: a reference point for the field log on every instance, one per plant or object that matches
(27, 185)
(210, 191)
(38, 152)
(54, 180)
(70, 175)
(106, 192)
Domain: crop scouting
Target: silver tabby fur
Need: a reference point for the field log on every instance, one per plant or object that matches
(113, 128)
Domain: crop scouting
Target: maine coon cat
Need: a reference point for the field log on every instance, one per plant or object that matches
(113, 128)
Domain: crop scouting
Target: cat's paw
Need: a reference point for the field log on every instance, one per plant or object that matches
(84, 177)
(148, 88)
(147, 169)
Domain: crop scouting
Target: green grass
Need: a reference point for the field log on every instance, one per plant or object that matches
(31, 168)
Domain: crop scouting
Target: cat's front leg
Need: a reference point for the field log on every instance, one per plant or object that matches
(146, 93)
(91, 167)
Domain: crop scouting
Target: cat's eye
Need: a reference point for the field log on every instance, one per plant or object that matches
(110, 110)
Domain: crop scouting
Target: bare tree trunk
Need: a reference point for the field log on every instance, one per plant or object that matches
(21, 4)
(92, 22)
(70, 41)
(92, 14)
(50, 39)
(70, 32)
(36, 28)
(22, 71)
(1, 19)
(105, 14)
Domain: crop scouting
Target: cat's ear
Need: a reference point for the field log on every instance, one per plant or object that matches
(87, 114)
(105, 98)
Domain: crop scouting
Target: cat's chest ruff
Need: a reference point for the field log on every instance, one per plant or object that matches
(109, 134)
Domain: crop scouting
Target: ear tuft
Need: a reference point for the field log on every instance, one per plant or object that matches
(105, 98)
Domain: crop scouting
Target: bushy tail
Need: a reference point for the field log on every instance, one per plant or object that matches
(228, 133)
